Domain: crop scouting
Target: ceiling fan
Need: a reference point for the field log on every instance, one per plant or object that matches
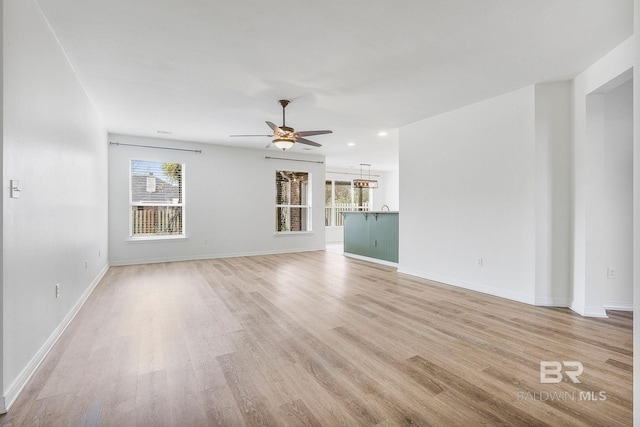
(286, 136)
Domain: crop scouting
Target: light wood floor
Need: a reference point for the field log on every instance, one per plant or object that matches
(317, 339)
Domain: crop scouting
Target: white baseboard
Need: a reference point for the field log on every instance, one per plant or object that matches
(588, 311)
(618, 306)
(514, 296)
(21, 380)
(502, 293)
(552, 302)
(368, 259)
(118, 263)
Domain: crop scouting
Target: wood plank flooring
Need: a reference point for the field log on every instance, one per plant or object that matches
(317, 339)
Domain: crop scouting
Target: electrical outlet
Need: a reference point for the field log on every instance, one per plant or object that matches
(57, 290)
(611, 273)
(86, 264)
(479, 262)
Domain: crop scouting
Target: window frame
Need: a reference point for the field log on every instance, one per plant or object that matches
(180, 204)
(308, 206)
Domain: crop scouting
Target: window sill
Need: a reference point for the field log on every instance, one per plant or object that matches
(148, 239)
(291, 233)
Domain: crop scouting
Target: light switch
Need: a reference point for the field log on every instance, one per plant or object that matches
(15, 189)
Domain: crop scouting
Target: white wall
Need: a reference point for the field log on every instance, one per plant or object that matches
(390, 194)
(589, 262)
(229, 202)
(56, 232)
(468, 191)
(617, 197)
(491, 181)
(553, 193)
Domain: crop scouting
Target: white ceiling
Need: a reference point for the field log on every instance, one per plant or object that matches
(206, 69)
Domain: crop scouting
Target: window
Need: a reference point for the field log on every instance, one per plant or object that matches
(157, 199)
(342, 196)
(293, 201)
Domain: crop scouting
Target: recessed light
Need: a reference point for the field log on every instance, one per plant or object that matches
(382, 133)
(351, 144)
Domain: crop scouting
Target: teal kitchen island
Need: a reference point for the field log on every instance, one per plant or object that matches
(371, 235)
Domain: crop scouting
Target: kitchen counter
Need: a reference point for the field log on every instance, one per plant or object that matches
(372, 234)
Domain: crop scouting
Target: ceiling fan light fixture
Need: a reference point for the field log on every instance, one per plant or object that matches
(283, 143)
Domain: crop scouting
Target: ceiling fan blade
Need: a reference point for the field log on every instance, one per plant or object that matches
(273, 127)
(252, 135)
(307, 142)
(313, 132)
(269, 145)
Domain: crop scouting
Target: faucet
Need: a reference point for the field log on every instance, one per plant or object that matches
(384, 206)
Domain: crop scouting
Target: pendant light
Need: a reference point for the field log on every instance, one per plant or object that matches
(365, 183)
